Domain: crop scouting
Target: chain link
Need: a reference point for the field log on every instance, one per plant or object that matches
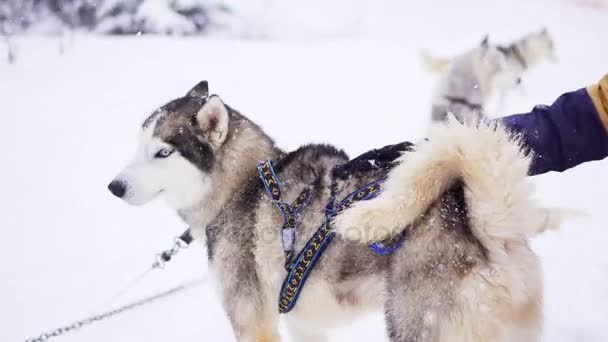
(164, 257)
(96, 318)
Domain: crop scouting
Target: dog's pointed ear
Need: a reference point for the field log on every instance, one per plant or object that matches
(201, 90)
(544, 30)
(213, 120)
(486, 41)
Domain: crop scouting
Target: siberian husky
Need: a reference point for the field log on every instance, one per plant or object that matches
(465, 271)
(475, 83)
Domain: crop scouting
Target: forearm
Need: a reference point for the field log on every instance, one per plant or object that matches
(572, 131)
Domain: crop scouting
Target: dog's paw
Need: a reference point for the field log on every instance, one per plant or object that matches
(365, 222)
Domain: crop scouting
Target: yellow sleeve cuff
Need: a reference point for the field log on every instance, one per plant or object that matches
(599, 95)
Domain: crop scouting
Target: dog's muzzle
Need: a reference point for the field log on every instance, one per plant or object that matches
(117, 188)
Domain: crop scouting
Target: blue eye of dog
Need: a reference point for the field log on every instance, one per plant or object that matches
(163, 153)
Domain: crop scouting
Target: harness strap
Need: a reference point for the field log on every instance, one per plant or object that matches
(291, 213)
(463, 101)
(310, 254)
(307, 258)
(388, 247)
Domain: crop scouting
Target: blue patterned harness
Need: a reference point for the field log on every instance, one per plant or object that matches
(299, 270)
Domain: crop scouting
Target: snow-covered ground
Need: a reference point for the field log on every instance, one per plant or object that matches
(69, 122)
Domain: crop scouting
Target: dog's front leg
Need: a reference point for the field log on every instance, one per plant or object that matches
(301, 334)
(250, 313)
(251, 320)
(260, 333)
(494, 104)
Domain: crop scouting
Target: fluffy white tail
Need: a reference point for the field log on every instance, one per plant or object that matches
(432, 64)
(493, 168)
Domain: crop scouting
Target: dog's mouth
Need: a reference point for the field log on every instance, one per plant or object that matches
(136, 202)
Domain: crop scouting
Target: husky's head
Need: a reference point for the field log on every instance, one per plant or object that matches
(529, 51)
(497, 65)
(538, 46)
(177, 151)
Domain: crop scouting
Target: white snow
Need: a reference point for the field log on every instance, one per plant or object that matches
(70, 121)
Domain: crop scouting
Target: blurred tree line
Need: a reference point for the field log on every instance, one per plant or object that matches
(171, 17)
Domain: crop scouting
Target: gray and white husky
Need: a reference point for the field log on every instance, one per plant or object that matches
(464, 273)
(476, 82)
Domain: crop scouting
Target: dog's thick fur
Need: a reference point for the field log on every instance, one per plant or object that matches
(464, 273)
(475, 83)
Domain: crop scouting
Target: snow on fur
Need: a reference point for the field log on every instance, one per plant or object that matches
(493, 167)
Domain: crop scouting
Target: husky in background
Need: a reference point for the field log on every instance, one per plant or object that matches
(476, 82)
(465, 272)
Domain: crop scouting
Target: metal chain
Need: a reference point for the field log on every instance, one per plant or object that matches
(179, 243)
(164, 257)
(90, 320)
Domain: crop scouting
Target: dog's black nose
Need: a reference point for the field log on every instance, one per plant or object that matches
(118, 188)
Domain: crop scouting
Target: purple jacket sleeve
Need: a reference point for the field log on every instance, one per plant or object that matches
(563, 135)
